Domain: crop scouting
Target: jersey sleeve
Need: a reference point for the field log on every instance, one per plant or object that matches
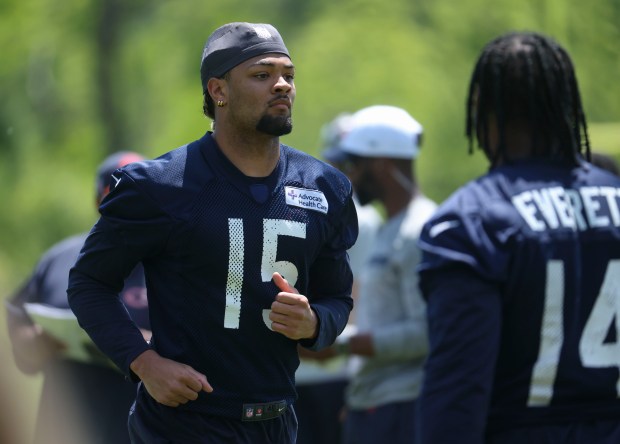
(331, 279)
(131, 229)
(464, 322)
(471, 232)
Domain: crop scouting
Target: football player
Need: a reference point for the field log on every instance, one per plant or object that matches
(243, 241)
(521, 267)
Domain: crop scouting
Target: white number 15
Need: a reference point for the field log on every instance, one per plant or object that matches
(272, 230)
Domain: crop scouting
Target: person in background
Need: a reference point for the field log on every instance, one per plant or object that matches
(244, 244)
(80, 402)
(378, 153)
(521, 267)
(369, 219)
(322, 377)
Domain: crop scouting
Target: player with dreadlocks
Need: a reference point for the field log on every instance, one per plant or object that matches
(527, 78)
(521, 267)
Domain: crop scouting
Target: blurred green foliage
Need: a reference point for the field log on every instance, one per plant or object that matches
(80, 79)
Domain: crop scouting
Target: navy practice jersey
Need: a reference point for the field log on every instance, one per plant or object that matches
(521, 272)
(210, 239)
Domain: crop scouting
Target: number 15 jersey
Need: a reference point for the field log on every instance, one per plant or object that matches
(210, 239)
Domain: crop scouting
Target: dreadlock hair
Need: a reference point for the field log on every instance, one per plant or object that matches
(527, 77)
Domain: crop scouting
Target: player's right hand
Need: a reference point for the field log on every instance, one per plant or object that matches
(169, 382)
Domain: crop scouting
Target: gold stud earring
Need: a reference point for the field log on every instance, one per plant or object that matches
(220, 103)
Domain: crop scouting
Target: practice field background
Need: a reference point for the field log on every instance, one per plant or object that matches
(81, 79)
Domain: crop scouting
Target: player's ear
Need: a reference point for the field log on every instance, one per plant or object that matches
(218, 89)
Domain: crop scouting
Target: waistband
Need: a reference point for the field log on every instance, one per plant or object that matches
(263, 411)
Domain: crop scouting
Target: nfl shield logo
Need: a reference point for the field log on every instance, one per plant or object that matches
(249, 412)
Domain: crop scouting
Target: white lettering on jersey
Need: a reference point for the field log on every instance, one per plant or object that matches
(308, 199)
(273, 229)
(579, 209)
(595, 350)
(234, 282)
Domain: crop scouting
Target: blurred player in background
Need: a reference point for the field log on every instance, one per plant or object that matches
(368, 218)
(378, 153)
(322, 377)
(243, 241)
(521, 267)
(80, 402)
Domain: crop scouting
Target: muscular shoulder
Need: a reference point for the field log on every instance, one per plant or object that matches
(177, 169)
(472, 227)
(166, 184)
(485, 201)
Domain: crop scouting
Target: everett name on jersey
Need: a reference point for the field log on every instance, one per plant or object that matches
(548, 238)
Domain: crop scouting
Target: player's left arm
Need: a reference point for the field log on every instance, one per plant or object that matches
(330, 279)
(464, 323)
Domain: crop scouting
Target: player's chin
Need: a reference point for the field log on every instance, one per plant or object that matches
(275, 125)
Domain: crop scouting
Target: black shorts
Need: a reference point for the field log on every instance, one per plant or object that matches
(153, 423)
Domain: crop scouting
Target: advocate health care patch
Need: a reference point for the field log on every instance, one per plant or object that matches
(308, 199)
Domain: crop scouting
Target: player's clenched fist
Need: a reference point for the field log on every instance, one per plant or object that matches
(169, 382)
(291, 313)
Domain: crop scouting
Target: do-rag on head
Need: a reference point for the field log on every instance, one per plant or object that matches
(234, 43)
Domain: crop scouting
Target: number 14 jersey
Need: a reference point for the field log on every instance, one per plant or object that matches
(547, 238)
